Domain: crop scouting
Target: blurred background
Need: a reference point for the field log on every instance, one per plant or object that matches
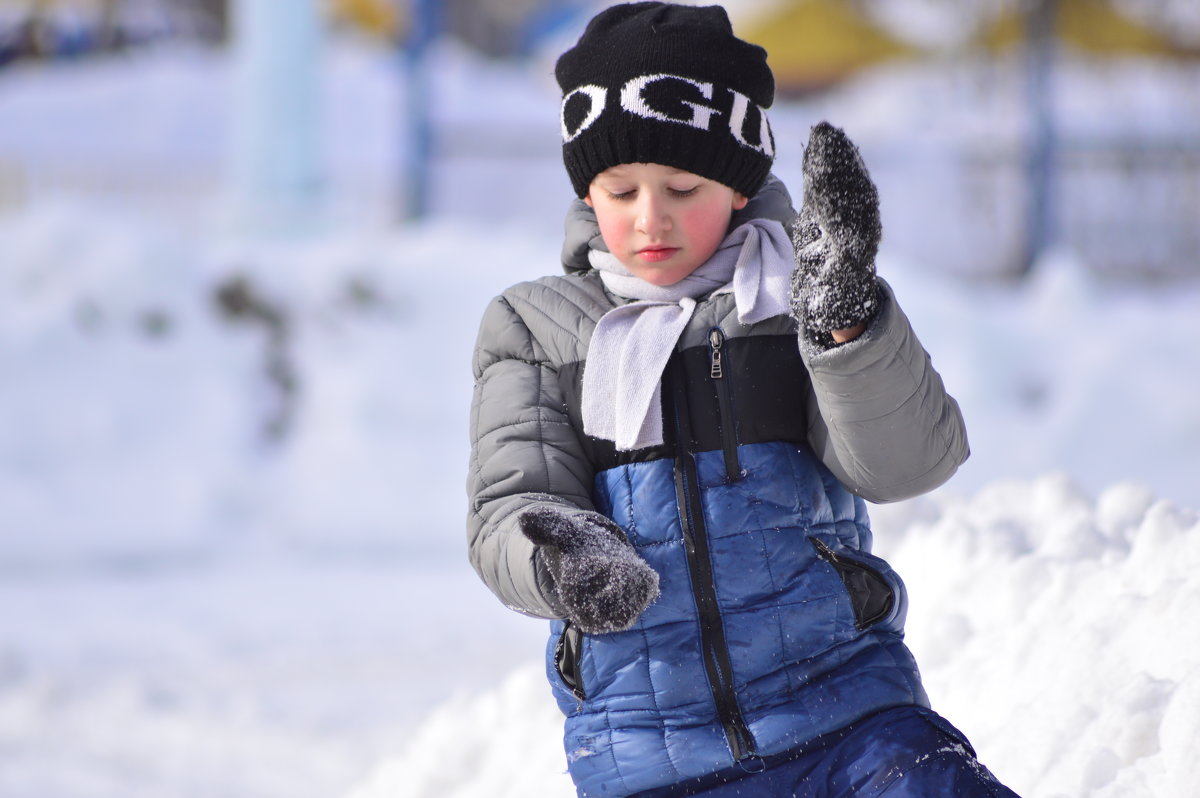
(1036, 122)
(244, 247)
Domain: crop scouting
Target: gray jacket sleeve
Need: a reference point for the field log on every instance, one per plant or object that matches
(524, 452)
(879, 416)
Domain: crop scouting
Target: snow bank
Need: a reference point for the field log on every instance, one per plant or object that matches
(504, 744)
(1053, 630)
(1049, 627)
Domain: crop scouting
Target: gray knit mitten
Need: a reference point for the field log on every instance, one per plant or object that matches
(836, 237)
(600, 579)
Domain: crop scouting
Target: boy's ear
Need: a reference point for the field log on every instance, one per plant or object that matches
(588, 199)
(739, 201)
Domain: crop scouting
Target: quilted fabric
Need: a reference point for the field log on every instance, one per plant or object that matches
(801, 667)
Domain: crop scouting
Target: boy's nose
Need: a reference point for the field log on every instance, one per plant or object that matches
(652, 217)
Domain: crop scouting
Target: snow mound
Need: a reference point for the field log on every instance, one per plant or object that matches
(503, 744)
(1050, 627)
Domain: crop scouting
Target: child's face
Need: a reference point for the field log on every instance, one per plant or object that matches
(662, 223)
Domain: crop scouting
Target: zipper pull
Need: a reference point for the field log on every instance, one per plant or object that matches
(715, 339)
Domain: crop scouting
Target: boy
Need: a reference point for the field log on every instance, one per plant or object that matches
(672, 442)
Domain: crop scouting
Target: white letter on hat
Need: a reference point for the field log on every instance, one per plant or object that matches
(598, 96)
(633, 102)
(737, 124)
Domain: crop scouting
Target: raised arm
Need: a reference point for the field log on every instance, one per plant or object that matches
(879, 415)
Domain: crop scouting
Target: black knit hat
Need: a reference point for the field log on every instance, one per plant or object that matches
(667, 84)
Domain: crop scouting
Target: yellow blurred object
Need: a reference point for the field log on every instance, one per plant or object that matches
(377, 17)
(812, 44)
(1092, 26)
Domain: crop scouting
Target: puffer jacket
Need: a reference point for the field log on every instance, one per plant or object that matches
(775, 623)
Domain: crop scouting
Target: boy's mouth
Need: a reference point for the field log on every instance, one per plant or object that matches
(655, 254)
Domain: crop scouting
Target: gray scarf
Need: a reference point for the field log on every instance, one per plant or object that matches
(622, 382)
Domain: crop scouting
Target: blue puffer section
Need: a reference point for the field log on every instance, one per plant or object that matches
(801, 666)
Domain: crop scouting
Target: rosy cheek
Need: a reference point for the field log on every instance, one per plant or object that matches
(613, 233)
(706, 224)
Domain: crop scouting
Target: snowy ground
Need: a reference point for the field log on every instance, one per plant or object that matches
(191, 608)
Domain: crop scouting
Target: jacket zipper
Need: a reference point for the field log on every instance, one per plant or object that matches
(717, 663)
(716, 371)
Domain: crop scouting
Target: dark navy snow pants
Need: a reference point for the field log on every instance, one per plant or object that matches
(906, 752)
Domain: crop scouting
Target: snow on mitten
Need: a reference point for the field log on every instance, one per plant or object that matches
(836, 237)
(601, 581)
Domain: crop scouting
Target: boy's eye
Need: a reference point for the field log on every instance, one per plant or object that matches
(619, 195)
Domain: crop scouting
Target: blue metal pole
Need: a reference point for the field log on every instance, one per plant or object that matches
(1041, 223)
(425, 23)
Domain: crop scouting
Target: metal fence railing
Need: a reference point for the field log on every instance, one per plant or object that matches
(1125, 208)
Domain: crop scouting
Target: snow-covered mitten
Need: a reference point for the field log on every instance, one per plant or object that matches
(836, 237)
(601, 581)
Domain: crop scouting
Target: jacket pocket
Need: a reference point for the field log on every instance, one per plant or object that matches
(876, 592)
(567, 654)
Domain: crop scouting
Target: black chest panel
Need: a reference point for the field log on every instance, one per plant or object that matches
(765, 392)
